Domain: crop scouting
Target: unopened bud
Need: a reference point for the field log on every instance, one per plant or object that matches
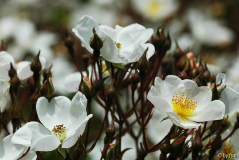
(110, 93)
(12, 72)
(15, 82)
(86, 86)
(47, 73)
(165, 147)
(183, 75)
(16, 110)
(143, 63)
(96, 42)
(177, 147)
(69, 42)
(47, 88)
(110, 130)
(36, 64)
(197, 143)
(181, 64)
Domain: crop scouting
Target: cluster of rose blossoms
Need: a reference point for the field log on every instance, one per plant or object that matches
(127, 61)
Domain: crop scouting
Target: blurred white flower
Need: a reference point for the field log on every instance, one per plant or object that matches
(61, 67)
(11, 151)
(184, 102)
(208, 31)
(121, 45)
(156, 9)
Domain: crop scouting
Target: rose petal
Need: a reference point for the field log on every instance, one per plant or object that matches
(9, 150)
(213, 111)
(55, 112)
(36, 136)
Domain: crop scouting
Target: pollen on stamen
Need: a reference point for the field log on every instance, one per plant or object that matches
(183, 106)
(118, 45)
(60, 132)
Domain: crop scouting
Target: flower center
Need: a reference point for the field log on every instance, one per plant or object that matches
(183, 106)
(118, 45)
(60, 132)
(153, 8)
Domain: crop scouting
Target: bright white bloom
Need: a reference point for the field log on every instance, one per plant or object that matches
(11, 151)
(156, 9)
(64, 121)
(121, 45)
(184, 102)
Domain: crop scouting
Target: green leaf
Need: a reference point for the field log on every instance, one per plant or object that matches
(119, 66)
(61, 151)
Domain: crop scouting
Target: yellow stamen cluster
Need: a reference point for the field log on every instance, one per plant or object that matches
(118, 45)
(183, 106)
(60, 132)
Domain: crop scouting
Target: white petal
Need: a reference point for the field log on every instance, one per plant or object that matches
(213, 111)
(231, 100)
(5, 58)
(24, 70)
(169, 87)
(110, 31)
(109, 51)
(221, 77)
(30, 156)
(4, 72)
(5, 98)
(77, 112)
(36, 136)
(161, 104)
(118, 28)
(132, 35)
(84, 31)
(71, 140)
(202, 95)
(72, 82)
(184, 123)
(138, 52)
(54, 113)
(10, 151)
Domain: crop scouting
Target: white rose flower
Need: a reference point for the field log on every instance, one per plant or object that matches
(184, 102)
(64, 122)
(121, 45)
